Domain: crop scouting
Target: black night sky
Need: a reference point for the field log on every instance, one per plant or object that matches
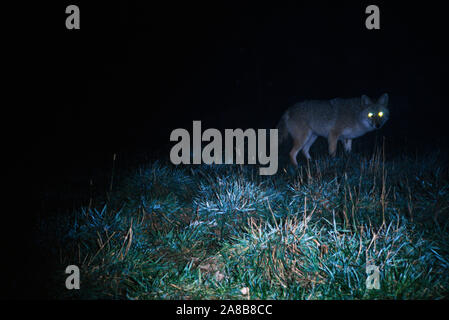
(135, 72)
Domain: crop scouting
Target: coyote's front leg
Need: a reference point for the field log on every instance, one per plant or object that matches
(332, 139)
(347, 143)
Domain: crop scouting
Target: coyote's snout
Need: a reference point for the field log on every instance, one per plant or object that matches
(336, 119)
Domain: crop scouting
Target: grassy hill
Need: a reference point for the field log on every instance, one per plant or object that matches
(225, 232)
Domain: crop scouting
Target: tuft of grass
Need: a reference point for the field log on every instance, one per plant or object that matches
(224, 232)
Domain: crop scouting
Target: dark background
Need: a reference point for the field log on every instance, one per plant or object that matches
(134, 72)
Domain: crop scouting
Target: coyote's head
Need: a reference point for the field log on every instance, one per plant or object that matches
(375, 114)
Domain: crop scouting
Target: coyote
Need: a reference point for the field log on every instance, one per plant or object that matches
(336, 119)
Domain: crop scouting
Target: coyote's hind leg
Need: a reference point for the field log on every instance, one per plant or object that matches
(300, 140)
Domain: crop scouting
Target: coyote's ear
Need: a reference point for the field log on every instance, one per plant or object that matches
(366, 100)
(383, 100)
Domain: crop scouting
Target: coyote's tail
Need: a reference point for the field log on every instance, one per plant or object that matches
(282, 128)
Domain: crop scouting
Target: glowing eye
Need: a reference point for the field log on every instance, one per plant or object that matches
(380, 114)
(370, 115)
